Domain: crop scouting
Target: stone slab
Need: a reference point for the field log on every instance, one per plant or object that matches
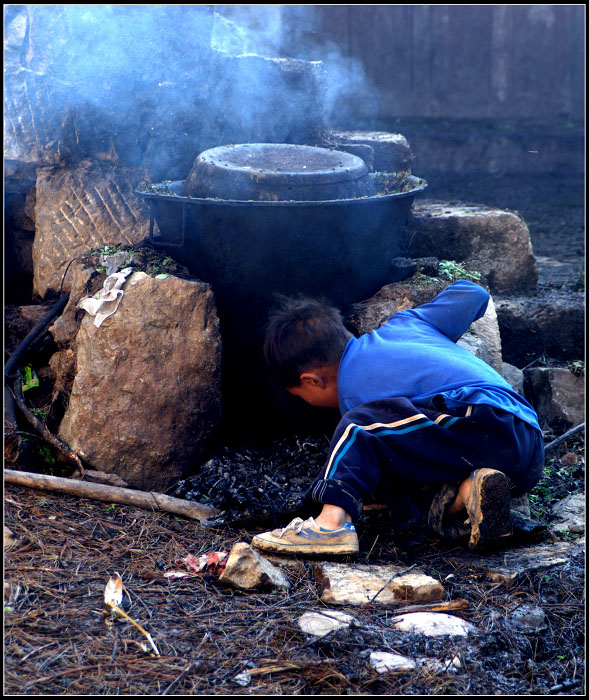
(360, 584)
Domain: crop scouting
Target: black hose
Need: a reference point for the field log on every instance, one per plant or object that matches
(14, 359)
(12, 371)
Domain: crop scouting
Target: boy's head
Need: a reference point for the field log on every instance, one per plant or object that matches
(303, 345)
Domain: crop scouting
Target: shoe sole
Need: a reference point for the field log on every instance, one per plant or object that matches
(287, 548)
(490, 508)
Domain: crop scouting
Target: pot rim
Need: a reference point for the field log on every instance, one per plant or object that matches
(419, 185)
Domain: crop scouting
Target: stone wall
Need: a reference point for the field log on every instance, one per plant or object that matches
(456, 61)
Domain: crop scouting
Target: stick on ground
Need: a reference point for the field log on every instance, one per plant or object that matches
(110, 494)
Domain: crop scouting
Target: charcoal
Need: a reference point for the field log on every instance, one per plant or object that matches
(254, 480)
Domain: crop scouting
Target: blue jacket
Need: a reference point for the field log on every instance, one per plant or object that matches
(414, 355)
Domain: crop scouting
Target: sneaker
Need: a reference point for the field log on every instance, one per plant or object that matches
(306, 537)
(488, 507)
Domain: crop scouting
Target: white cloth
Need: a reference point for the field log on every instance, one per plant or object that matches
(106, 302)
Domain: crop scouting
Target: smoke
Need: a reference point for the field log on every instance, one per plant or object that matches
(294, 31)
(159, 83)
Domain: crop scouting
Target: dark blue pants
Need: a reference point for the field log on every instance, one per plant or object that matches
(391, 448)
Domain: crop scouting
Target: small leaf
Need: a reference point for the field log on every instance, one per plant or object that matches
(113, 593)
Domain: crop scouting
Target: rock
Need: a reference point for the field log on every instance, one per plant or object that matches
(476, 346)
(571, 458)
(514, 376)
(436, 666)
(508, 566)
(402, 269)
(77, 88)
(493, 242)
(84, 282)
(371, 313)
(484, 340)
(33, 131)
(104, 478)
(362, 584)
(65, 328)
(391, 153)
(385, 661)
(79, 209)
(248, 570)
(321, 623)
(569, 514)
(557, 395)
(433, 624)
(146, 396)
(427, 266)
(538, 324)
(527, 618)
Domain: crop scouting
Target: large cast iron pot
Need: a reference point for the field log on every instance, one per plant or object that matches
(339, 248)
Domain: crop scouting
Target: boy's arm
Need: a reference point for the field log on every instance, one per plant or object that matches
(453, 310)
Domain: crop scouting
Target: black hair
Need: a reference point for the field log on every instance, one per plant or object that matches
(302, 333)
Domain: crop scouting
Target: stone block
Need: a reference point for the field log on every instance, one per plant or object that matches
(493, 242)
(557, 395)
(146, 396)
(540, 324)
(391, 153)
(76, 87)
(279, 100)
(80, 209)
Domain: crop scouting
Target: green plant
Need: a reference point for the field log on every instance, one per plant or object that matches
(41, 413)
(455, 270)
(46, 455)
(577, 367)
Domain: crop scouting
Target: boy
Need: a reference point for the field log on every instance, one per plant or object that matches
(418, 412)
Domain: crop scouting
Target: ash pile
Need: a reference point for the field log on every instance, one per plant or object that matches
(255, 482)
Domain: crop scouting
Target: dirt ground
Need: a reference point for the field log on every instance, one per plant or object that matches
(60, 641)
